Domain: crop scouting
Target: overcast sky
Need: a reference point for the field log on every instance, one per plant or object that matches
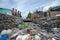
(28, 5)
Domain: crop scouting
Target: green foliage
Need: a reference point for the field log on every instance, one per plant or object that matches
(29, 15)
(23, 25)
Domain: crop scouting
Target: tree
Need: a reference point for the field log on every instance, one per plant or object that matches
(29, 15)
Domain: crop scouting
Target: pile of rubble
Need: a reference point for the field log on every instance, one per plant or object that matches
(8, 21)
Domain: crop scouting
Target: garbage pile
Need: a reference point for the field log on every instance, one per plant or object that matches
(9, 34)
(9, 30)
(8, 21)
(31, 34)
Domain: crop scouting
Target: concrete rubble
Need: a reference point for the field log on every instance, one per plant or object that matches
(9, 30)
(8, 21)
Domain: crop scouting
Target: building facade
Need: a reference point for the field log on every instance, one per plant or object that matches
(54, 11)
(38, 14)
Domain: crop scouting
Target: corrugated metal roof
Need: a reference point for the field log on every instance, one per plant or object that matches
(57, 8)
(5, 11)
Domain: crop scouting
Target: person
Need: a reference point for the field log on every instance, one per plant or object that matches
(31, 35)
(13, 11)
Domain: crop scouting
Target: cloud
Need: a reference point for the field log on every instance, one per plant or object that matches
(4, 3)
(28, 5)
(54, 3)
(17, 4)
